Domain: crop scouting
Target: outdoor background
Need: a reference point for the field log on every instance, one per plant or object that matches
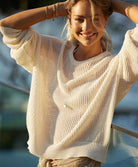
(13, 103)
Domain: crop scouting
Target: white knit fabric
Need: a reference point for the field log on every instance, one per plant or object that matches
(71, 102)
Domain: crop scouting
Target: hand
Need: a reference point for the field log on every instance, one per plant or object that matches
(61, 8)
(66, 2)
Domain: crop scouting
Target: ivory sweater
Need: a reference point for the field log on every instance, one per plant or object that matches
(71, 102)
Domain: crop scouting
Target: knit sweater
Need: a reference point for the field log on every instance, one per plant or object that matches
(71, 102)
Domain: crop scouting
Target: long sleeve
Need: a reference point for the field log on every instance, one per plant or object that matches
(128, 63)
(27, 46)
(128, 56)
(23, 44)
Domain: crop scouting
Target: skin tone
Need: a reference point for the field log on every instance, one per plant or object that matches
(87, 34)
(83, 29)
(27, 18)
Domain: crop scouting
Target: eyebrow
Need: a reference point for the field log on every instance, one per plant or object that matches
(97, 15)
(84, 16)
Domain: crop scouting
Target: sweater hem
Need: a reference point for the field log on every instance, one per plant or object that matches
(94, 151)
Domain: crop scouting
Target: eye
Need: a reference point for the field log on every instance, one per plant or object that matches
(96, 19)
(79, 20)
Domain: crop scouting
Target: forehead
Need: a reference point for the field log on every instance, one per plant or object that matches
(83, 8)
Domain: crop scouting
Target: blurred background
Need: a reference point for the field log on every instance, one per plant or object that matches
(15, 86)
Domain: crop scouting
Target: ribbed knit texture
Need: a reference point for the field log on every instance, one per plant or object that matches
(71, 102)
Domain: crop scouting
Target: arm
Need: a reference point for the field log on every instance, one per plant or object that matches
(25, 19)
(129, 10)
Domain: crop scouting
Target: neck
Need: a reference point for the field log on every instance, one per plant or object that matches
(84, 53)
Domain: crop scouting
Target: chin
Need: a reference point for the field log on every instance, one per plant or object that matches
(88, 44)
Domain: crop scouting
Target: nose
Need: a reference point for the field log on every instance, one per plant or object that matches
(87, 25)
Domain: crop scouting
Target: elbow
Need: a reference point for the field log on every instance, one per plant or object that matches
(6, 23)
(2, 23)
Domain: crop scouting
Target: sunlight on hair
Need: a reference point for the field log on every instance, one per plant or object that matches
(106, 43)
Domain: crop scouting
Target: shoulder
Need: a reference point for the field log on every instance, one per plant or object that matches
(51, 42)
(51, 39)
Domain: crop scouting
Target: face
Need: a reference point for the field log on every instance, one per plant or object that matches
(83, 29)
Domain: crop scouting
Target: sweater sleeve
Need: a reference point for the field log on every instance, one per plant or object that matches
(23, 44)
(128, 63)
(128, 56)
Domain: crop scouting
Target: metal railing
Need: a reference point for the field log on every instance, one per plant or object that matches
(121, 129)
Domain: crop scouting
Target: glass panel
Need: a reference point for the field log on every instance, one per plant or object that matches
(13, 132)
(123, 150)
(127, 120)
(12, 118)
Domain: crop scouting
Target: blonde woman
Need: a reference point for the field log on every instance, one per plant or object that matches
(76, 83)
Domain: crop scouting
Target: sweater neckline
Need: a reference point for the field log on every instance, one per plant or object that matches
(77, 62)
(67, 85)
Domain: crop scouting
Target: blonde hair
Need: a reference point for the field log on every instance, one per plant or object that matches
(105, 6)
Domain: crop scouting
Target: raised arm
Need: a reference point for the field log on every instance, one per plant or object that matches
(25, 19)
(129, 10)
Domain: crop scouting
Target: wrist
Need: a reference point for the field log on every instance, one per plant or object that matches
(55, 10)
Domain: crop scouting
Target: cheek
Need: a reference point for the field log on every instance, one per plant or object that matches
(100, 26)
(100, 34)
(101, 23)
(76, 27)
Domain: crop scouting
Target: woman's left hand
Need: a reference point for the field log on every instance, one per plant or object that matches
(61, 8)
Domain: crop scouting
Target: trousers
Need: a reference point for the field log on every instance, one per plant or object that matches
(70, 162)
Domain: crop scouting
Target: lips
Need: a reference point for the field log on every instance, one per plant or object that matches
(88, 35)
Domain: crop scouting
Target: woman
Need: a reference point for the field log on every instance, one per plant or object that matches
(75, 84)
